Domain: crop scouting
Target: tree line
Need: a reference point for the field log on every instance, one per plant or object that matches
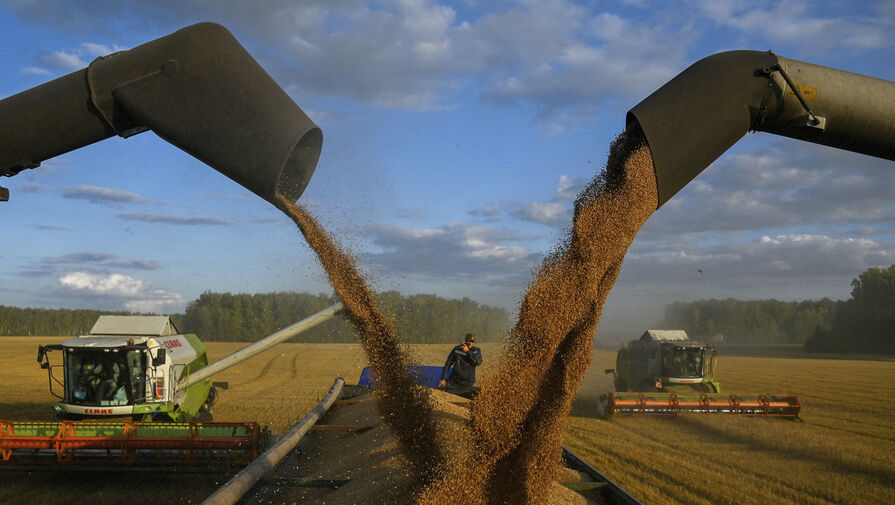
(863, 323)
(866, 321)
(249, 317)
(43, 322)
(750, 322)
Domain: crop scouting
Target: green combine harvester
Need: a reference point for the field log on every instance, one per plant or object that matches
(666, 361)
(664, 372)
(136, 389)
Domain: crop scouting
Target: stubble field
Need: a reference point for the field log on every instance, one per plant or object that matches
(843, 450)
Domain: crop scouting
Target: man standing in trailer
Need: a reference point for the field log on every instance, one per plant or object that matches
(458, 373)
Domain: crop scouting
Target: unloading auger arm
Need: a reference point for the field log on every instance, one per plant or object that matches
(694, 118)
(262, 345)
(197, 88)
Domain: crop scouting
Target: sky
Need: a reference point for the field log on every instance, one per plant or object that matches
(456, 137)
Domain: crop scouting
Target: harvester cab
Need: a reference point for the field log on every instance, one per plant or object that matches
(666, 360)
(128, 366)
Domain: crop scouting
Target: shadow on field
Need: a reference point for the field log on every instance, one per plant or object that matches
(27, 411)
(704, 428)
(105, 486)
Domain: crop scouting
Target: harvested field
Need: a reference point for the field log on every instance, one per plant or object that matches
(843, 452)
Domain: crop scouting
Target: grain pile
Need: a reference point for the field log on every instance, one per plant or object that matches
(369, 462)
(511, 452)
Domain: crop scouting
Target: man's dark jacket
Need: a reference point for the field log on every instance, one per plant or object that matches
(463, 363)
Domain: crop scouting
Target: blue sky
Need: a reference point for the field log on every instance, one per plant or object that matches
(457, 134)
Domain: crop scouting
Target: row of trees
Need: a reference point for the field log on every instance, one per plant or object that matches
(419, 318)
(753, 322)
(61, 322)
(863, 323)
(244, 317)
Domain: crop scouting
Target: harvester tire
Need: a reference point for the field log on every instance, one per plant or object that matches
(622, 370)
(205, 411)
(620, 385)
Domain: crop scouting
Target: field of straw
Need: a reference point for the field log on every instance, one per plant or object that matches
(842, 450)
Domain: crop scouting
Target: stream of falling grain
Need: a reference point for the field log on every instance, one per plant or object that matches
(513, 452)
(517, 421)
(404, 406)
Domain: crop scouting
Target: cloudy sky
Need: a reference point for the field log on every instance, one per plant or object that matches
(457, 134)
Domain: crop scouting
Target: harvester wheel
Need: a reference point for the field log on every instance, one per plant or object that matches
(622, 368)
(620, 385)
(205, 412)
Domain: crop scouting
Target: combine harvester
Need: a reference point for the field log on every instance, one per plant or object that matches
(135, 390)
(664, 372)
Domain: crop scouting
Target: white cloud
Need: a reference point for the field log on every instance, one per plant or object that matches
(158, 301)
(63, 60)
(573, 72)
(133, 294)
(32, 70)
(488, 211)
(609, 26)
(451, 252)
(554, 214)
(556, 55)
(788, 184)
(175, 219)
(68, 60)
(32, 187)
(797, 23)
(567, 188)
(101, 194)
(767, 260)
(95, 50)
(107, 285)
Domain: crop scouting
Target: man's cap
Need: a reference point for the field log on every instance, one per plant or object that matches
(470, 337)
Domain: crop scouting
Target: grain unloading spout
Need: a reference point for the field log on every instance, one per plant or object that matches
(694, 118)
(197, 88)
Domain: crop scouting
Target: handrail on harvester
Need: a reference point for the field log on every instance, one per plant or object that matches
(261, 345)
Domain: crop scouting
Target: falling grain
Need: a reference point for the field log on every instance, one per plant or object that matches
(517, 421)
(405, 407)
(509, 452)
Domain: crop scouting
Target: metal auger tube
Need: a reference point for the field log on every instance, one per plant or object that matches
(261, 345)
(698, 115)
(197, 88)
(242, 482)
